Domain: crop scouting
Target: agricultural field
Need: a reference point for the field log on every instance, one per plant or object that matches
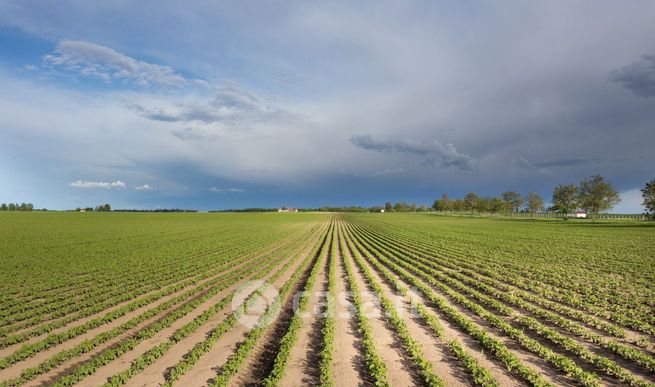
(300, 299)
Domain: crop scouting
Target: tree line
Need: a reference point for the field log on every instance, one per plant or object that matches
(16, 207)
(594, 195)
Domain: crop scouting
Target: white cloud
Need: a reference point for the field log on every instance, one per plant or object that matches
(227, 190)
(144, 187)
(230, 107)
(94, 60)
(98, 184)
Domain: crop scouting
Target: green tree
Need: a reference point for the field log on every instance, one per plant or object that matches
(535, 202)
(513, 200)
(482, 204)
(471, 201)
(401, 207)
(388, 207)
(30, 207)
(565, 199)
(496, 204)
(11, 207)
(443, 204)
(648, 193)
(3, 207)
(458, 205)
(596, 195)
(106, 207)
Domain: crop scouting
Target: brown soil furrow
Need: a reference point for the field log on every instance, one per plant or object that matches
(348, 367)
(444, 364)
(629, 366)
(9, 350)
(260, 361)
(49, 378)
(68, 366)
(155, 373)
(102, 374)
(104, 311)
(304, 358)
(499, 372)
(388, 345)
(552, 375)
(209, 364)
(518, 312)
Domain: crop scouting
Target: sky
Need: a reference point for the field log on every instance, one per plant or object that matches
(233, 104)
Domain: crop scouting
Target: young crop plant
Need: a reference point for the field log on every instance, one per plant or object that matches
(291, 336)
(375, 365)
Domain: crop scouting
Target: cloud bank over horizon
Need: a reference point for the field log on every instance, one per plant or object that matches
(313, 104)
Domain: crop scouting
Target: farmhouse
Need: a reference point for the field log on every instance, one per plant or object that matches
(287, 209)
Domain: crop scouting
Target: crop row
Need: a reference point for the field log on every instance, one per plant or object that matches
(462, 283)
(188, 300)
(558, 361)
(201, 348)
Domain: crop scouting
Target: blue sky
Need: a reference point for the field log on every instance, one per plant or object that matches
(215, 105)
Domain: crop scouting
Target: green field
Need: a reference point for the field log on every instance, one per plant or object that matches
(149, 298)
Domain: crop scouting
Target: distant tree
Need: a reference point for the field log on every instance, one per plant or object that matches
(535, 202)
(513, 200)
(11, 207)
(30, 207)
(443, 204)
(596, 195)
(3, 207)
(458, 205)
(471, 200)
(106, 207)
(482, 205)
(565, 199)
(401, 207)
(413, 207)
(496, 204)
(648, 193)
(388, 207)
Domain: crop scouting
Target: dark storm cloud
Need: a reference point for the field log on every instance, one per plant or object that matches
(638, 77)
(564, 163)
(432, 151)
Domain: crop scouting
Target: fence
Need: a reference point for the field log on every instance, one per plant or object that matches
(544, 215)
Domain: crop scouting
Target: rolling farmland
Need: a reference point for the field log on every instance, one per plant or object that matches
(324, 299)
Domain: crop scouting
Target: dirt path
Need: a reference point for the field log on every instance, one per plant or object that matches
(349, 368)
(304, 358)
(388, 345)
